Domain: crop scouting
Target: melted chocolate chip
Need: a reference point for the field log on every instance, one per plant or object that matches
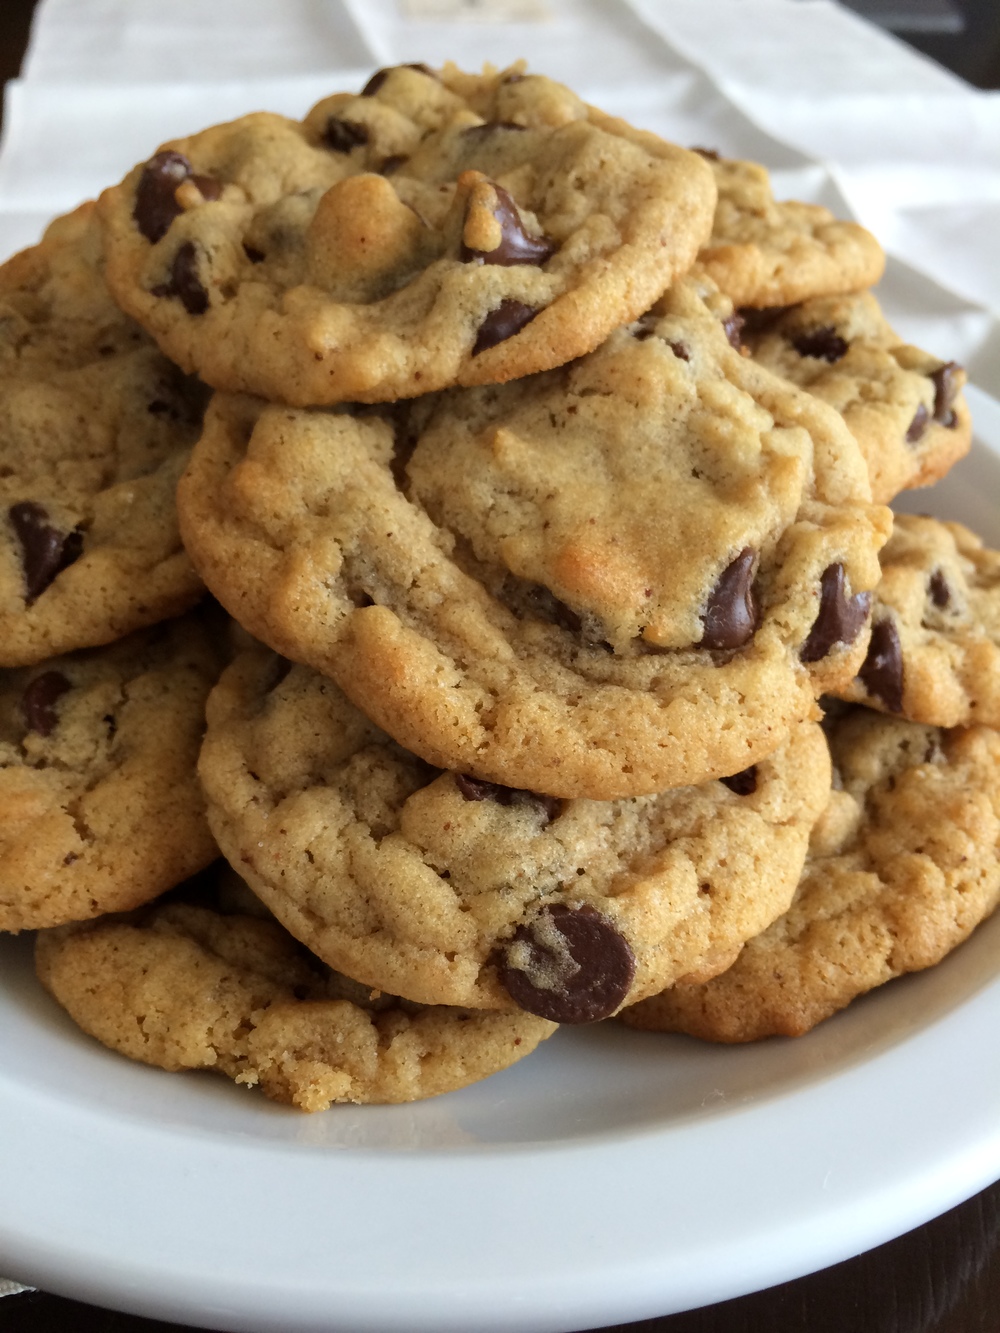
(840, 619)
(761, 318)
(391, 164)
(477, 789)
(744, 783)
(184, 281)
(209, 187)
(918, 425)
(508, 318)
(155, 203)
(712, 154)
(253, 254)
(343, 135)
(731, 614)
(45, 550)
(882, 670)
(733, 327)
(379, 77)
(517, 246)
(38, 702)
(946, 385)
(938, 588)
(825, 344)
(569, 965)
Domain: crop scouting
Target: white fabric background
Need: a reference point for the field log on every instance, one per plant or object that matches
(841, 113)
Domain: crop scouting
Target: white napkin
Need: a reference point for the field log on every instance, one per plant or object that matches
(10, 1288)
(842, 113)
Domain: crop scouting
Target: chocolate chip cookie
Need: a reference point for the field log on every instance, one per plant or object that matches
(904, 407)
(181, 986)
(627, 574)
(449, 890)
(101, 808)
(934, 653)
(768, 253)
(903, 866)
(436, 228)
(95, 428)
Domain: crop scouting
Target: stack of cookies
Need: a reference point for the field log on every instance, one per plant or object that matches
(537, 470)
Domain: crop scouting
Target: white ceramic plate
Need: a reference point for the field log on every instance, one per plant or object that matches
(611, 1176)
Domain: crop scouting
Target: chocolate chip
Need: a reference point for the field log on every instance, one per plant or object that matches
(733, 327)
(45, 550)
(253, 254)
(939, 590)
(343, 135)
(759, 319)
(946, 386)
(918, 425)
(744, 783)
(569, 965)
(825, 344)
(508, 318)
(209, 187)
(38, 701)
(840, 619)
(644, 327)
(184, 281)
(731, 614)
(711, 153)
(517, 246)
(477, 789)
(379, 77)
(392, 164)
(882, 670)
(156, 205)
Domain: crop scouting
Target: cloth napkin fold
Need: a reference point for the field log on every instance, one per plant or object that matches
(841, 113)
(10, 1288)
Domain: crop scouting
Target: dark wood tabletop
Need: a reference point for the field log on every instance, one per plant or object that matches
(943, 1277)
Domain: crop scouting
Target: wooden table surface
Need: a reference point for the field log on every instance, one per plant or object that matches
(942, 1278)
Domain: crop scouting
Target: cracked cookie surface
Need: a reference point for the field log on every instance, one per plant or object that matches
(101, 805)
(903, 866)
(182, 986)
(763, 252)
(445, 889)
(904, 407)
(95, 428)
(627, 574)
(437, 228)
